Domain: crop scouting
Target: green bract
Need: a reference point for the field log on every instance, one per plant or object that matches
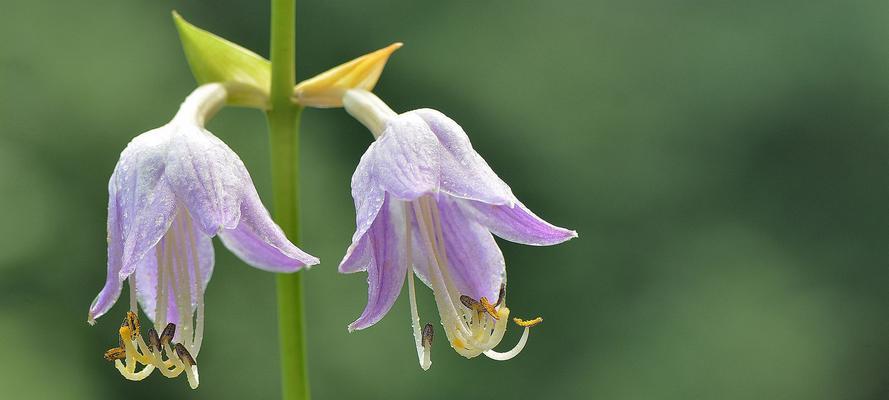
(245, 74)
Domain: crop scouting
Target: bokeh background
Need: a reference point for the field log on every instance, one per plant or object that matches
(724, 162)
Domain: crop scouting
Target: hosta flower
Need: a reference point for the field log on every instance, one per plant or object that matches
(173, 189)
(427, 205)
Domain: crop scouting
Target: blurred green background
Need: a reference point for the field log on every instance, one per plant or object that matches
(724, 162)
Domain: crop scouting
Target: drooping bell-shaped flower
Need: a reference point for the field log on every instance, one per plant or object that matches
(173, 189)
(427, 205)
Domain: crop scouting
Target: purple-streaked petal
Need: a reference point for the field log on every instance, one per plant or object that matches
(260, 242)
(145, 203)
(517, 224)
(406, 158)
(368, 197)
(113, 284)
(464, 173)
(387, 264)
(208, 177)
(474, 260)
(357, 257)
(175, 241)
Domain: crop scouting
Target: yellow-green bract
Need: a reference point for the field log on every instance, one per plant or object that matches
(245, 74)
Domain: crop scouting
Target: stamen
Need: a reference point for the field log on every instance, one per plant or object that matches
(133, 376)
(168, 333)
(154, 342)
(529, 323)
(428, 335)
(132, 321)
(126, 334)
(191, 370)
(161, 303)
(198, 287)
(184, 355)
(115, 353)
(470, 303)
(424, 353)
(489, 308)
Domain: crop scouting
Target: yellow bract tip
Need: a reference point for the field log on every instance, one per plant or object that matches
(327, 88)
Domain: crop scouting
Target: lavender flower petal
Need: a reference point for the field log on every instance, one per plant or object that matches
(260, 242)
(464, 173)
(405, 158)
(477, 265)
(473, 257)
(369, 198)
(145, 202)
(357, 257)
(387, 265)
(113, 284)
(517, 224)
(208, 176)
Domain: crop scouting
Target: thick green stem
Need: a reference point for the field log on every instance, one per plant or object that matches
(283, 119)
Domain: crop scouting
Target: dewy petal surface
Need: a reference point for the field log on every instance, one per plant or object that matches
(208, 176)
(260, 242)
(405, 158)
(464, 173)
(387, 264)
(145, 201)
(369, 199)
(113, 284)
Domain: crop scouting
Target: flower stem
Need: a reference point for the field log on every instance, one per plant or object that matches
(283, 119)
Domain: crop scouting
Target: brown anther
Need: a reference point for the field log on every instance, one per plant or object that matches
(115, 353)
(428, 334)
(184, 355)
(470, 303)
(501, 295)
(529, 323)
(132, 320)
(167, 334)
(154, 342)
(489, 308)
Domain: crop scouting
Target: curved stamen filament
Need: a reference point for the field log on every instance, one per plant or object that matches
(511, 353)
(179, 281)
(473, 327)
(423, 351)
(469, 325)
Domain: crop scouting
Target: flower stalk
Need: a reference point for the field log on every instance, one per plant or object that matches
(283, 119)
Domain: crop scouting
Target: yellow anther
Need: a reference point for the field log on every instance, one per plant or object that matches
(529, 323)
(327, 89)
(115, 353)
(132, 321)
(125, 333)
(457, 343)
(489, 308)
